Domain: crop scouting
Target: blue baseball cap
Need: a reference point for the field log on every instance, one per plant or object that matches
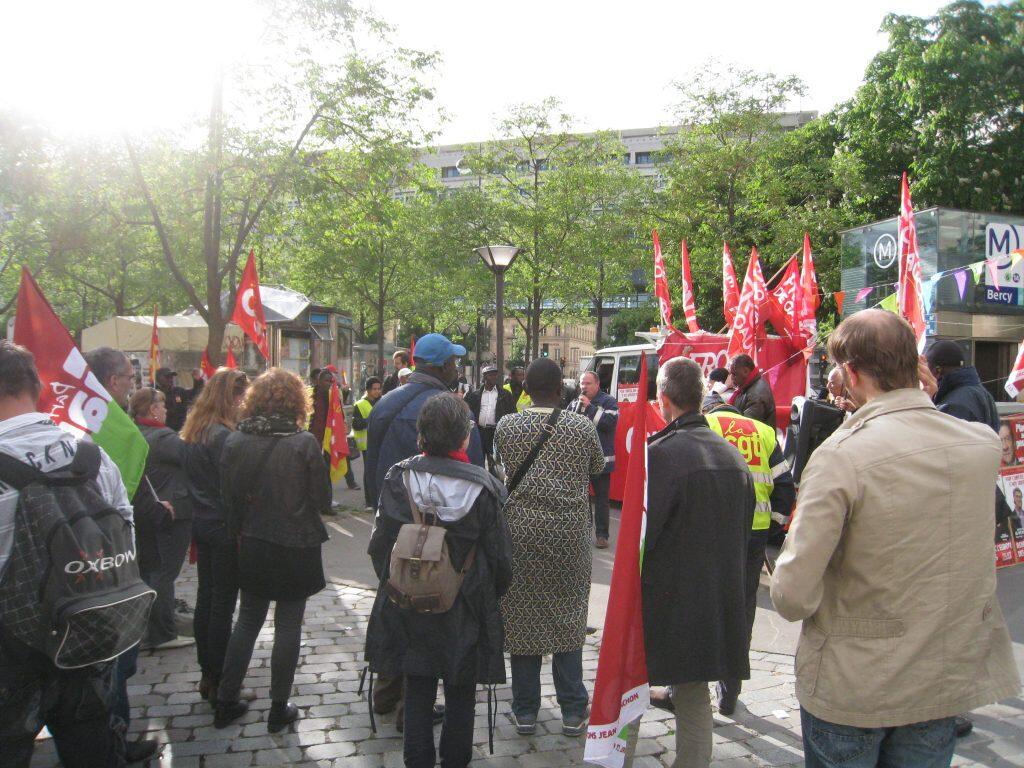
(436, 348)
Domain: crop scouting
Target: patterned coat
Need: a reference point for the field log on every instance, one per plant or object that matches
(545, 609)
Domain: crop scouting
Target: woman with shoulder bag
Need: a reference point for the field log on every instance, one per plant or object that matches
(550, 456)
(275, 489)
(459, 641)
(213, 417)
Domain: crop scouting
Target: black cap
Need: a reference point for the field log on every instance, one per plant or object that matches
(946, 353)
(165, 372)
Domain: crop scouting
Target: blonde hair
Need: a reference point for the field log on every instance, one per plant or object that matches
(278, 392)
(215, 404)
(143, 401)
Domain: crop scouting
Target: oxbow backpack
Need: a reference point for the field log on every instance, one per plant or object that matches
(72, 588)
(422, 577)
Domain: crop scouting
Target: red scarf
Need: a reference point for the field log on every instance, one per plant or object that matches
(754, 376)
(457, 456)
(150, 423)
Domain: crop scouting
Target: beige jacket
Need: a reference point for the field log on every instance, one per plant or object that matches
(890, 563)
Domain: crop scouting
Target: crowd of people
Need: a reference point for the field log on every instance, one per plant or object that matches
(488, 505)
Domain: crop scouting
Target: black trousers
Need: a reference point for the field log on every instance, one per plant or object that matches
(602, 487)
(217, 567)
(756, 544)
(487, 445)
(73, 705)
(456, 733)
(172, 540)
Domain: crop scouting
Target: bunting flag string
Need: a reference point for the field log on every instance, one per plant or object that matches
(863, 293)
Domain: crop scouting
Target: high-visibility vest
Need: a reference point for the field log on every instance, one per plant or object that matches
(755, 442)
(524, 401)
(364, 407)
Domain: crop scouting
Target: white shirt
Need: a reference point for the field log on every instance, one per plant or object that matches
(488, 407)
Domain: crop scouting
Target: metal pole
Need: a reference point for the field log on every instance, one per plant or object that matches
(499, 319)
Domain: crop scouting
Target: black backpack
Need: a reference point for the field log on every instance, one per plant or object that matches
(72, 588)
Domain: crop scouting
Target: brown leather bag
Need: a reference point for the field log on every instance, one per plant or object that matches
(422, 577)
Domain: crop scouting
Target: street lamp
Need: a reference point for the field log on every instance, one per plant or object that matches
(499, 258)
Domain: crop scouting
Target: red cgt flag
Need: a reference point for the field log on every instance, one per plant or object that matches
(248, 314)
(779, 303)
(743, 334)
(661, 283)
(336, 435)
(689, 305)
(621, 691)
(154, 350)
(206, 366)
(730, 288)
(808, 300)
(911, 294)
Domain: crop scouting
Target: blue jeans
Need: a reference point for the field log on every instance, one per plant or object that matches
(567, 670)
(928, 744)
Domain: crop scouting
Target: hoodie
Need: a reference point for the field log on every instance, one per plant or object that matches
(34, 439)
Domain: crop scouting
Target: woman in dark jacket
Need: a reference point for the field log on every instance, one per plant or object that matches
(163, 516)
(462, 646)
(211, 420)
(275, 488)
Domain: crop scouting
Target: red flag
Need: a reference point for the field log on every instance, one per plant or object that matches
(689, 306)
(336, 434)
(661, 283)
(621, 691)
(730, 288)
(910, 301)
(154, 350)
(1015, 381)
(229, 362)
(206, 366)
(840, 297)
(412, 351)
(248, 313)
(808, 299)
(743, 334)
(779, 304)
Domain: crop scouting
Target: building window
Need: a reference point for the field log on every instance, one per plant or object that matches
(625, 159)
(644, 158)
(558, 330)
(450, 172)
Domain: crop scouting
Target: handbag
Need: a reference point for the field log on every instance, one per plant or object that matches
(353, 449)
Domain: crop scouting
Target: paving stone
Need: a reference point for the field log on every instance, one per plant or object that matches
(328, 751)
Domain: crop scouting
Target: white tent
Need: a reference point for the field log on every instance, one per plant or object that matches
(131, 333)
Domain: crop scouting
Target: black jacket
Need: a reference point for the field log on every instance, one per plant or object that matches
(178, 401)
(962, 394)
(700, 507)
(390, 382)
(757, 401)
(202, 473)
(165, 469)
(279, 499)
(505, 406)
(464, 645)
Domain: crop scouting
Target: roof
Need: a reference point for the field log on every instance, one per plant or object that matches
(280, 304)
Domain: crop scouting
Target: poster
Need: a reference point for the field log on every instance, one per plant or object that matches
(1010, 501)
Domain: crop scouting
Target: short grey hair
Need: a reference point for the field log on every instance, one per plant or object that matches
(590, 373)
(681, 381)
(106, 362)
(442, 424)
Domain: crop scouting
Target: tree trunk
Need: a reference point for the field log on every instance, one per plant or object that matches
(599, 305)
(535, 322)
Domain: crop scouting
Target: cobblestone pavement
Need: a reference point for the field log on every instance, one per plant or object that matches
(335, 727)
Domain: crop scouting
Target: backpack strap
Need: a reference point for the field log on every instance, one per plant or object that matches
(17, 474)
(84, 466)
(419, 519)
(548, 429)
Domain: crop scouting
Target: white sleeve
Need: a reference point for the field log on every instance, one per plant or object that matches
(112, 486)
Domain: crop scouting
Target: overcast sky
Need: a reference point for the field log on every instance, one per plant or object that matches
(107, 66)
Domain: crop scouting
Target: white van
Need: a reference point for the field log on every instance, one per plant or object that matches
(618, 370)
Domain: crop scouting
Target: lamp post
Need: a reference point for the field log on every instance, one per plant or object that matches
(499, 258)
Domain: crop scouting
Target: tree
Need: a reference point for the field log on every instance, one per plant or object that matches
(945, 102)
(323, 92)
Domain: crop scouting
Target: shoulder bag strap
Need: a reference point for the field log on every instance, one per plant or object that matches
(417, 516)
(547, 429)
(17, 474)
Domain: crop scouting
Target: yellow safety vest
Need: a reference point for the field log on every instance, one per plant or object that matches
(524, 399)
(364, 407)
(755, 442)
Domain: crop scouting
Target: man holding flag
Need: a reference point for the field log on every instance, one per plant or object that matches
(700, 508)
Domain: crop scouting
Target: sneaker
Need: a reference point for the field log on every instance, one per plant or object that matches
(525, 725)
(174, 642)
(661, 698)
(963, 726)
(726, 699)
(601, 542)
(180, 606)
(574, 725)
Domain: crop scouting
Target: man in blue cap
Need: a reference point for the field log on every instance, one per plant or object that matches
(391, 438)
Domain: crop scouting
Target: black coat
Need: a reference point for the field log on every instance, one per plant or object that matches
(178, 400)
(505, 406)
(202, 473)
(700, 507)
(962, 394)
(757, 401)
(464, 645)
(165, 469)
(283, 503)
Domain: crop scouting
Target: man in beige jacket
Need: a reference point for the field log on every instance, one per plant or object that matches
(890, 564)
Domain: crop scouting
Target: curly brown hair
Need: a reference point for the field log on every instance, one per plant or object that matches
(278, 393)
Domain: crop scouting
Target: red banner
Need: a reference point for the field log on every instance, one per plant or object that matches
(911, 294)
(748, 321)
(689, 305)
(248, 313)
(661, 283)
